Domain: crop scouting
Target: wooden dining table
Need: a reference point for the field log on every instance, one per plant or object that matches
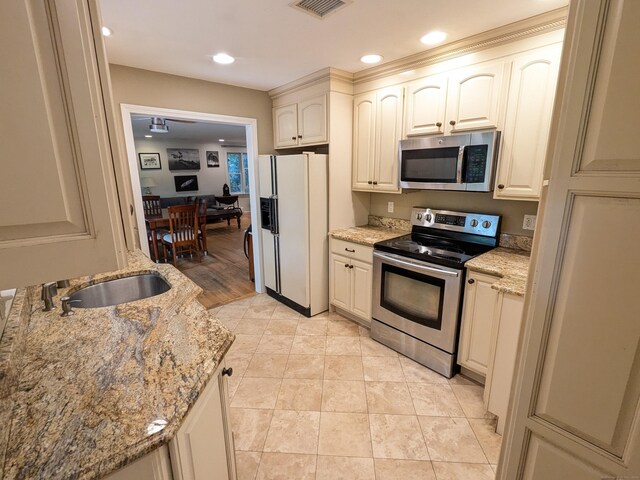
(162, 222)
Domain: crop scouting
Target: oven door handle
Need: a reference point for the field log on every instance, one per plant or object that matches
(394, 259)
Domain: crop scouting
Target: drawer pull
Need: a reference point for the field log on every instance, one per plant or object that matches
(227, 371)
(471, 281)
(349, 250)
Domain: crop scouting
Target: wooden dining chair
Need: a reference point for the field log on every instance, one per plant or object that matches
(183, 232)
(201, 214)
(151, 205)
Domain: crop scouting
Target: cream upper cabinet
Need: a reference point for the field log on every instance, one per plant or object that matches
(478, 318)
(475, 97)
(425, 106)
(377, 130)
(60, 214)
(528, 118)
(300, 124)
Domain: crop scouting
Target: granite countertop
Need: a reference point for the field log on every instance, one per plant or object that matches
(367, 234)
(509, 264)
(82, 396)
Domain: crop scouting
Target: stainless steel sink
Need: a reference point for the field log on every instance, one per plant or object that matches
(119, 290)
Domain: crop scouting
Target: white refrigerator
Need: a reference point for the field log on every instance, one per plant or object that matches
(294, 228)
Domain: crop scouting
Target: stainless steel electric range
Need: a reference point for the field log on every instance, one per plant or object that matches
(418, 281)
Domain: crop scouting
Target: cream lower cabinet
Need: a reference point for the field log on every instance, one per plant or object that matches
(528, 118)
(300, 124)
(60, 215)
(351, 278)
(377, 127)
(478, 319)
(202, 449)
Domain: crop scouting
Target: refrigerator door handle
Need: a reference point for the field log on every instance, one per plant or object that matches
(276, 241)
(273, 214)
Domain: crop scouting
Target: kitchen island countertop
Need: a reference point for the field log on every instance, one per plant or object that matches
(367, 234)
(82, 396)
(512, 266)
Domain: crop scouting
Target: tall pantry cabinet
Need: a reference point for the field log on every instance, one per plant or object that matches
(60, 214)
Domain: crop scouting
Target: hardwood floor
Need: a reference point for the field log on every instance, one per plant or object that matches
(224, 273)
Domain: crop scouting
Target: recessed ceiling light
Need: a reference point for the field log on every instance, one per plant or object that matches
(434, 37)
(223, 58)
(106, 31)
(221, 139)
(148, 136)
(372, 58)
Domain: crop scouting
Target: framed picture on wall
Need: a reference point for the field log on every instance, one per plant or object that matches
(186, 183)
(183, 158)
(213, 159)
(150, 161)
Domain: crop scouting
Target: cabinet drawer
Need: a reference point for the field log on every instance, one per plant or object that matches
(352, 250)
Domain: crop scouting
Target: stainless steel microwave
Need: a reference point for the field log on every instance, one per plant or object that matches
(454, 162)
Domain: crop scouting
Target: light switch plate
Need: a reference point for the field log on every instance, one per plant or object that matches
(529, 222)
(390, 207)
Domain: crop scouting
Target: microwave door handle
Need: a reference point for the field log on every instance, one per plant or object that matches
(460, 160)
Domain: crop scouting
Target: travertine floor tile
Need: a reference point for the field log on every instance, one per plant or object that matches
(414, 372)
(343, 346)
(239, 362)
(344, 396)
(490, 441)
(305, 366)
(263, 299)
(262, 311)
(267, 365)
(231, 311)
(343, 367)
(451, 440)
(283, 311)
(308, 345)
(470, 398)
(298, 394)
(286, 466)
(257, 393)
(250, 427)
(230, 323)
(461, 380)
(388, 469)
(345, 434)
(312, 326)
(282, 326)
(371, 348)
(338, 326)
(382, 369)
(252, 326)
(389, 397)
(344, 468)
(275, 344)
(397, 436)
(435, 400)
(462, 471)
(293, 432)
(247, 464)
(245, 344)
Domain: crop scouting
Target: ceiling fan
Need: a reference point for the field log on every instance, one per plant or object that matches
(159, 124)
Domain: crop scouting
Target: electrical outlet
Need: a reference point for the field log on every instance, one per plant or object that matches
(529, 222)
(390, 207)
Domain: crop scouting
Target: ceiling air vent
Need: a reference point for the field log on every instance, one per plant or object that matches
(320, 8)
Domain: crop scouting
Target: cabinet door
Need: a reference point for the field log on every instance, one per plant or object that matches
(364, 138)
(526, 130)
(285, 126)
(477, 322)
(475, 97)
(388, 131)
(153, 466)
(361, 289)
(340, 282)
(312, 121)
(60, 216)
(425, 106)
(201, 449)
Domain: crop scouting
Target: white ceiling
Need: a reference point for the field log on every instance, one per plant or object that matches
(274, 44)
(204, 132)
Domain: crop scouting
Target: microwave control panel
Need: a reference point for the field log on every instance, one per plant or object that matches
(475, 163)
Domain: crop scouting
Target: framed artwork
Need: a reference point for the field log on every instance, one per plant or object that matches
(150, 161)
(186, 183)
(183, 158)
(213, 160)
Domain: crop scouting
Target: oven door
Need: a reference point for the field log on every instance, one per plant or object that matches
(417, 298)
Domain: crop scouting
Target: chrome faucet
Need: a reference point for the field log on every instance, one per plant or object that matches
(49, 290)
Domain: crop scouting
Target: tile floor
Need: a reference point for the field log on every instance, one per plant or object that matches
(319, 399)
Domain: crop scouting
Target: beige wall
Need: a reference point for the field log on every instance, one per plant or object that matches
(512, 211)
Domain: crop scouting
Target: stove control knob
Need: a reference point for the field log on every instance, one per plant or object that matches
(428, 217)
(486, 224)
(474, 223)
(419, 216)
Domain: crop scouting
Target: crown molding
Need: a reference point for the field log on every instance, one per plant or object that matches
(328, 74)
(529, 27)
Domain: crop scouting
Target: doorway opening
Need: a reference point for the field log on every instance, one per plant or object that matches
(177, 157)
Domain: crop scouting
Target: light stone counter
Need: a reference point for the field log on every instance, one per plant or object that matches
(367, 234)
(82, 396)
(509, 264)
